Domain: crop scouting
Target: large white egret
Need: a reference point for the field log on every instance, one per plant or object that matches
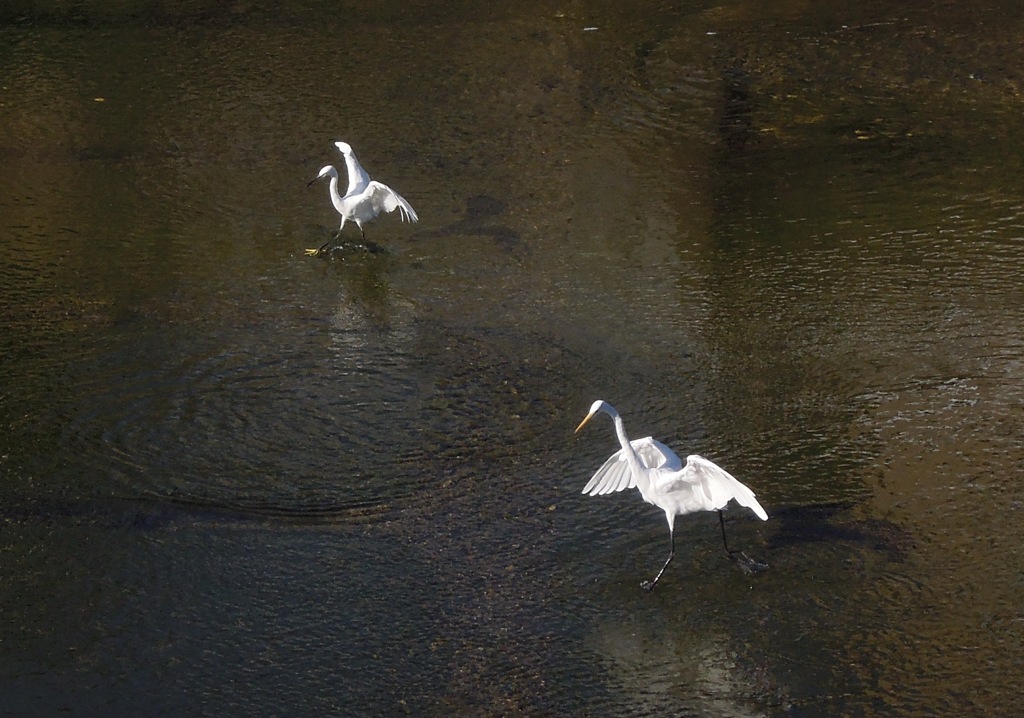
(364, 199)
(655, 470)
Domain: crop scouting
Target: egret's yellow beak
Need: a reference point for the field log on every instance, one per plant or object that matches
(587, 418)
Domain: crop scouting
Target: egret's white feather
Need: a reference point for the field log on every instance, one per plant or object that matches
(719, 486)
(383, 198)
(357, 176)
(615, 475)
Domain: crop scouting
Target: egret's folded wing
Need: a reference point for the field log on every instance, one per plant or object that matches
(385, 199)
(615, 475)
(719, 486)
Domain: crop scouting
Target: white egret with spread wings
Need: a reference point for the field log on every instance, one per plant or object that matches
(663, 480)
(364, 199)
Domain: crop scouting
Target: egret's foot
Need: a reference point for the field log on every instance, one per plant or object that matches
(647, 586)
(748, 565)
(323, 248)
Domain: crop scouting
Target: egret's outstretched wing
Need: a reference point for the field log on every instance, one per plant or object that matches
(719, 486)
(614, 474)
(385, 199)
(358, 180)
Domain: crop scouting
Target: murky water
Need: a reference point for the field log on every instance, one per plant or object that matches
(240, 481)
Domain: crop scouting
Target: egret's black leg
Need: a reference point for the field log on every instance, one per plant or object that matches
(725, 541)
(649, 585)
(748, 565)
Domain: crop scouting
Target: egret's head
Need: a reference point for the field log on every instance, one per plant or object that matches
(594, 409)
(324, 172)
(343, 147)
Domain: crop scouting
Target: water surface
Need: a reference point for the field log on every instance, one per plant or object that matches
(237, 480)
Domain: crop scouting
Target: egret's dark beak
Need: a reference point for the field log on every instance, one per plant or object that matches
(310, 183)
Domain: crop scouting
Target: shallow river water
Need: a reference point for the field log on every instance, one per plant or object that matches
(236, 480)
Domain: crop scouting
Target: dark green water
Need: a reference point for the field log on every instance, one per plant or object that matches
(236, 480)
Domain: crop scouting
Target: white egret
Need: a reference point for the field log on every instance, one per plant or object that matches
(364, 199)
(657, 472)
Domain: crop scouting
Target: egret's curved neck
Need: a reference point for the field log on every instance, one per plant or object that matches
(637, 468)
(335, 197)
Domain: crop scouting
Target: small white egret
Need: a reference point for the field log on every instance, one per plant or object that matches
(657, 472)
(364, 199)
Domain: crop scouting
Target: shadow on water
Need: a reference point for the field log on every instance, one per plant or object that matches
(793, 526)
(479, 221)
